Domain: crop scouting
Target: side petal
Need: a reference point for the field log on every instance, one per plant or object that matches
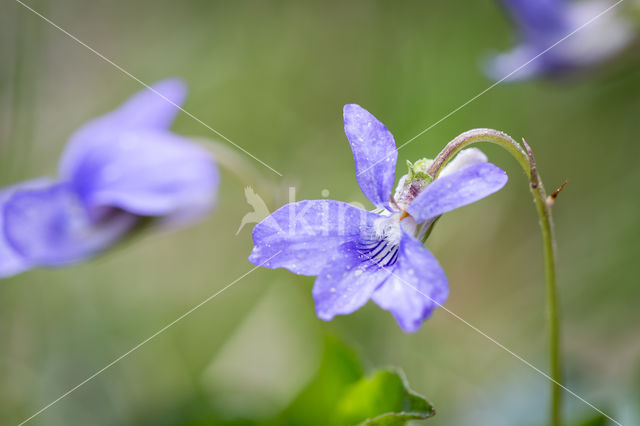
(304, 236)
(50, 227)
(12, 262)
(148, 173)
(415, 288)
(346, 283)
(457, 189)
(374, 152)
(149, 109)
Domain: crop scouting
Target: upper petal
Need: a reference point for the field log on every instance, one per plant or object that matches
(148, 173)
(374, 152)
(347, 282)
(415, 288)
(457, 189)
(303, 236)
(152, 108)
(11, 261)
(49, 226)
(149, 109)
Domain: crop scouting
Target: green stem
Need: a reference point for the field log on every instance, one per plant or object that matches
(543, 207)
(425, 234)
(236, 164)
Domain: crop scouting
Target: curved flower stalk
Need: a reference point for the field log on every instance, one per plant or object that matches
(543, 203)
(116, 172)
(359, 255)
(595, 38)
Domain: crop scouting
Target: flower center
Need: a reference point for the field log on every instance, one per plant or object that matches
(381, 243)
(380, 252)
(388, 228)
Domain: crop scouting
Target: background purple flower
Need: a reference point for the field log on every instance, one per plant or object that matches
(543, 23)
(12, 262)
(115, 171)
(359, 255)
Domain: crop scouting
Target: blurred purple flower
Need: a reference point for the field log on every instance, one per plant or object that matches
(116, 170)
(359, 255)
(543, 23)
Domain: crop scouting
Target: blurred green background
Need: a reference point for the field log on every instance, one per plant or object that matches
(273, 76)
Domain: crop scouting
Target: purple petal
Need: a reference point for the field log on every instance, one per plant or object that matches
(508, 66)
(11, 262)
(148, 173)
(415, 288)
(374, 152)
(50, 226)
(346, 283)
(541, 22)
(457, 189)
(146, 110)
(152, 108)
(303, 236)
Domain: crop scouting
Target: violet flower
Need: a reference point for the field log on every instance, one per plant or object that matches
(116, 171)
(543, 23)
(359, 255)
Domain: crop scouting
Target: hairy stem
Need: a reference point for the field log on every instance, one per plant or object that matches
(527, 162)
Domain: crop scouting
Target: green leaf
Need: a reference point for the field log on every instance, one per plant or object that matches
(383, 399)
(339, 370)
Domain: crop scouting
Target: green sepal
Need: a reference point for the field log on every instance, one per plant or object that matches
(418, 170)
